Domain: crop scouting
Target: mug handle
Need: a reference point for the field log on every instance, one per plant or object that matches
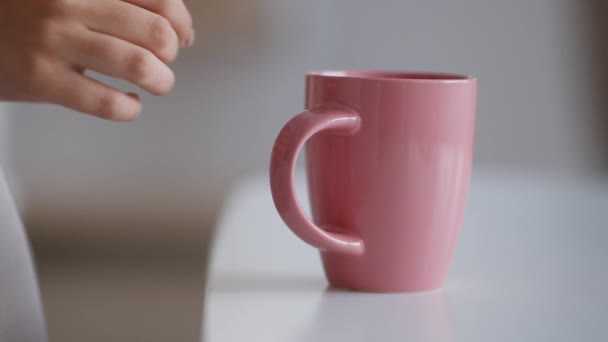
(288, 144)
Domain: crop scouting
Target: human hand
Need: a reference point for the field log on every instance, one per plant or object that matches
(46, 46)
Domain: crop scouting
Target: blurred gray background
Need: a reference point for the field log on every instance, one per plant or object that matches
(120, 214)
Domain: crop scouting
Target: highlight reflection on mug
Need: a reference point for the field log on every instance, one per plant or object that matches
(354, 316)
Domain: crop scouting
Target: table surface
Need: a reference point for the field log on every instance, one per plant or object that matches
(531, 265)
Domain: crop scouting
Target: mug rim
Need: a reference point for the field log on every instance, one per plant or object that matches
(393, 76)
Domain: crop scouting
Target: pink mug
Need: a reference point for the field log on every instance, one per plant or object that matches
(388, 158)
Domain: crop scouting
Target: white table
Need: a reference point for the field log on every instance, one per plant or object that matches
(531, 265)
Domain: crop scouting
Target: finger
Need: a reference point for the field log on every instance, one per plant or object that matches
(81, 93)
(176, 12)
(121, 59)
(133, 24)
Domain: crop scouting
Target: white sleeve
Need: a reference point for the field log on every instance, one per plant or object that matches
(21, 315)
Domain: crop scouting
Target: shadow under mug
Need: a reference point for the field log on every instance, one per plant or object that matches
(388, 159)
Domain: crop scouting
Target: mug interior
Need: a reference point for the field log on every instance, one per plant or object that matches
(394, 75)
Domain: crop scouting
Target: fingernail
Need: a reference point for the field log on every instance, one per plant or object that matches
(133, 96)
(186, 43)
(190, 40)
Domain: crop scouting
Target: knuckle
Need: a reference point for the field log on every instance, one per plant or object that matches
(46, 25)
(165, 7)
(51, 16)
(59, 7)
(163, 37)
(138, 66)
(39, 73)
(43, 32)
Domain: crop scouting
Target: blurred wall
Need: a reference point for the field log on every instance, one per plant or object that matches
(598, 12)
(163, 177)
